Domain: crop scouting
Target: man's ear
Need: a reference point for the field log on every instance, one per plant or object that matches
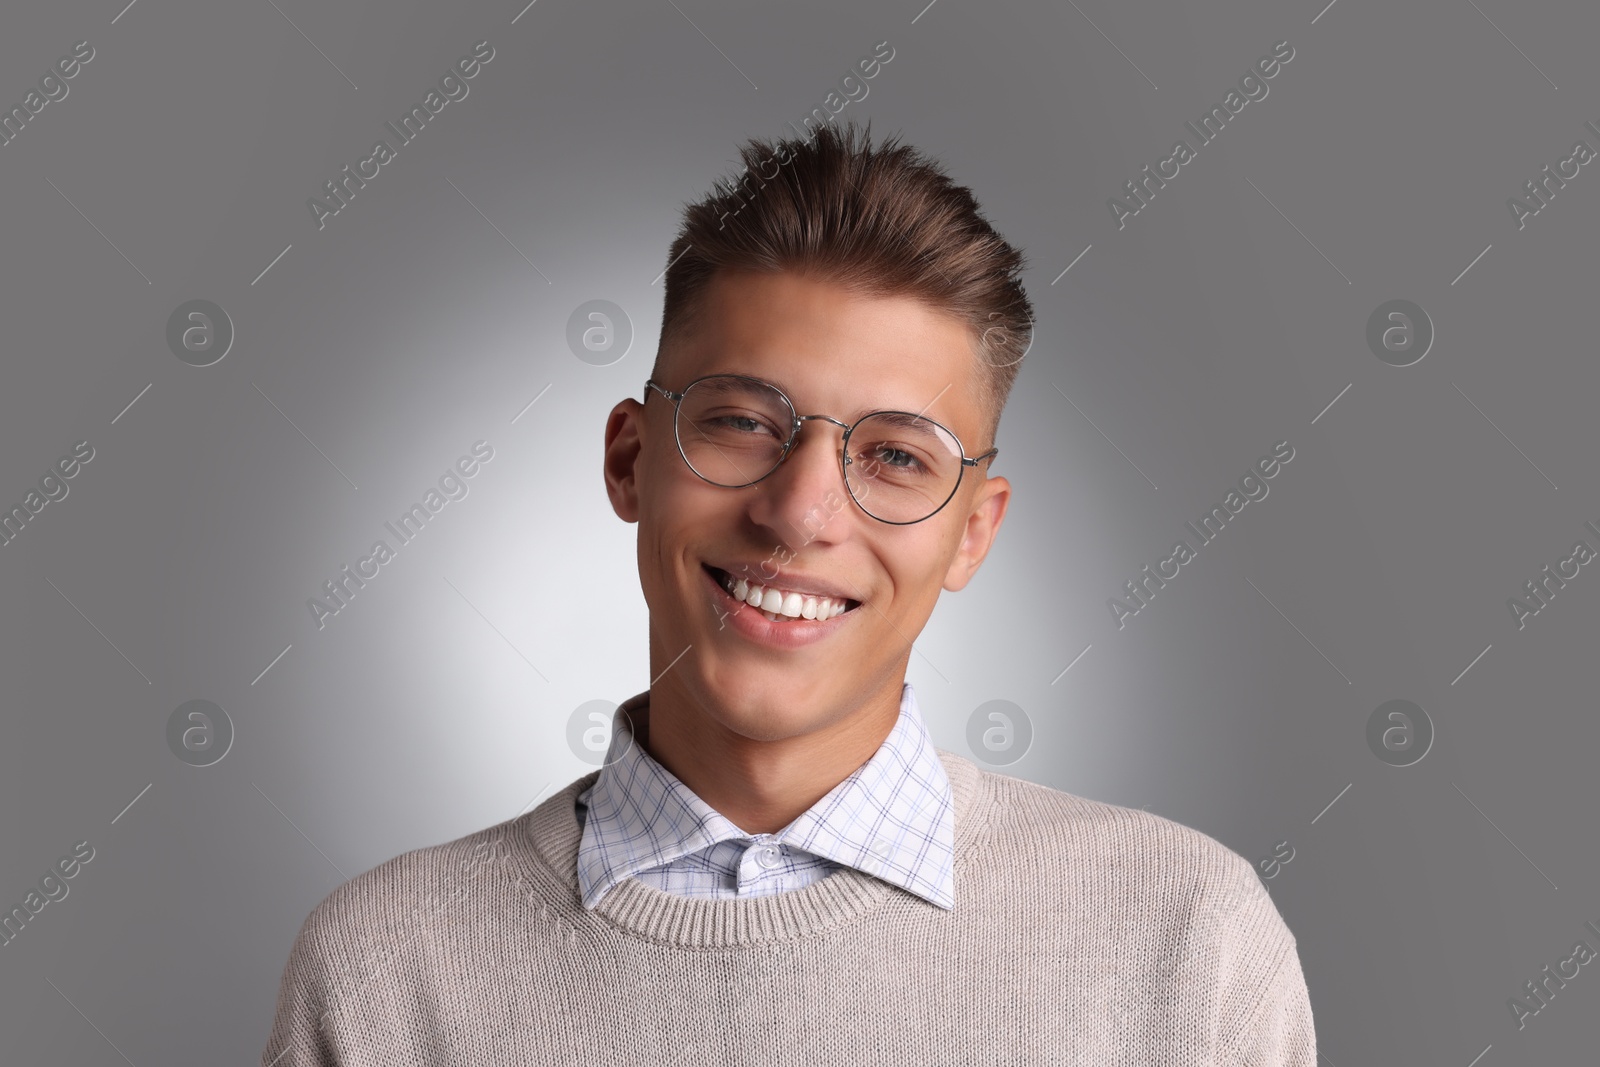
(624, 446)
(983, 523)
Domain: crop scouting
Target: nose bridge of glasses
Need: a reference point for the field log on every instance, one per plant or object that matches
(799, 419)
(794, 438)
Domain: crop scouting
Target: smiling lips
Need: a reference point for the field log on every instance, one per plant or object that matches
(781, 604)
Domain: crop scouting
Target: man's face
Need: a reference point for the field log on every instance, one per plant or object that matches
(835, 353)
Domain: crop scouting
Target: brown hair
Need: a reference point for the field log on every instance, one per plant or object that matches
(885, 222)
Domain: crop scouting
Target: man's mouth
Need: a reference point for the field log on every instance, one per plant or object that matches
(778, 604)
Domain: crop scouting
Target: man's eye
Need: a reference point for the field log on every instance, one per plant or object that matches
(896, 457)
(741, 424)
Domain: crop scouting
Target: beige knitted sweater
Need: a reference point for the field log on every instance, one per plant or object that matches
(1083, 934)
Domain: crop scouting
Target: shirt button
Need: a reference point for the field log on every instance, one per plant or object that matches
(768, 856)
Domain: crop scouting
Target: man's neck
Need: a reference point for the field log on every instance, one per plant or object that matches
(760, 786)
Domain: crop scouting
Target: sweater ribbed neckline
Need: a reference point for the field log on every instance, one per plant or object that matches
(550, 835)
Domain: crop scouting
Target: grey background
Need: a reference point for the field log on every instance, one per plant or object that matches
(1171, 356)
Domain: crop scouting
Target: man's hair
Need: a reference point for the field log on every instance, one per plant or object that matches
(883, 221)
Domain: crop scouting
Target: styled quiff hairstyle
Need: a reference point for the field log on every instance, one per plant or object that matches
(883, 221)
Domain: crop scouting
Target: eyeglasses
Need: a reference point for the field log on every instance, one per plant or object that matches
(734, 430)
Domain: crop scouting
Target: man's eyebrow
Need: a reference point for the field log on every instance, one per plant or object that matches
(903, 415)
(858, 413)
(906, 419)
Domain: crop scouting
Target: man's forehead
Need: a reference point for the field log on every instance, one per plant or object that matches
(831, 349)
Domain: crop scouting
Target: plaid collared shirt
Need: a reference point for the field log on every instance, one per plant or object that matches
(891, 818)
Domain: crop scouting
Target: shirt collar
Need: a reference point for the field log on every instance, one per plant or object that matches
(891, 818)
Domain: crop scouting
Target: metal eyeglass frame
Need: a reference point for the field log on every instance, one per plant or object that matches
(794, 435)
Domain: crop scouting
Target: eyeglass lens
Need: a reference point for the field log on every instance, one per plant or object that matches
(733, 431)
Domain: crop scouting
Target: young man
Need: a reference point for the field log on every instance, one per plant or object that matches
(775, 864)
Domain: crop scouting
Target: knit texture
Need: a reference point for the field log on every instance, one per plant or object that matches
(1083, 933)
(892, 818)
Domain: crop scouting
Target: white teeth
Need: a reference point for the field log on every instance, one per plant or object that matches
(775, 604)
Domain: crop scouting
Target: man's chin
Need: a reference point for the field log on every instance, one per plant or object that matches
(761, 699)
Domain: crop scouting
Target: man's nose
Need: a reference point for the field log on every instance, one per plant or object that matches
(802, 498)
